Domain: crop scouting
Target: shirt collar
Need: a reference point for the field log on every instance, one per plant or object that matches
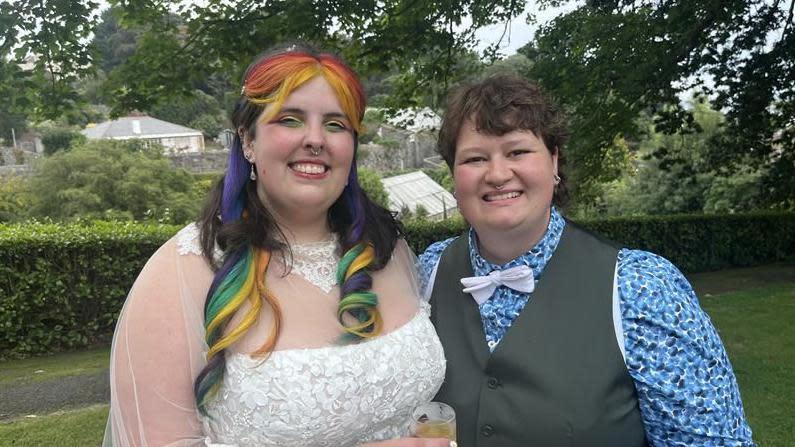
(536, 258)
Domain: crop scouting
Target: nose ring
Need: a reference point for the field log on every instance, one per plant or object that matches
(315, 151)
(499, 187)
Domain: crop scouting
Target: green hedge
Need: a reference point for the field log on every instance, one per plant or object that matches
(699, 243)
(695, 243)
(62, 286)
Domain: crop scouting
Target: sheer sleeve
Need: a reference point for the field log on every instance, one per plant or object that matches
(158, 350)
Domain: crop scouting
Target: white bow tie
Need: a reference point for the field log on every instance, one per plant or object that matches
(482, 287)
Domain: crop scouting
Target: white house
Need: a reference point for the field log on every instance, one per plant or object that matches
(417, 189)
(175, 138)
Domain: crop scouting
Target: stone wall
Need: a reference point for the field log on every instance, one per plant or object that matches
(10, 158)
(209, 161)
(411, 151)
(15, 170)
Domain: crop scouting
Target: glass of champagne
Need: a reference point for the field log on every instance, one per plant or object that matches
(433, 420)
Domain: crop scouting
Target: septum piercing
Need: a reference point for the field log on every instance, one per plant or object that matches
(315, 151)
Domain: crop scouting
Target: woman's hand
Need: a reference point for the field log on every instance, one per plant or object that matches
(413, 442)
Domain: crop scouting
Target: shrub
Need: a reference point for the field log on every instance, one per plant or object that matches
(117, 177)
(704, 242)
(15, 198)
(58, 139)
(693, 242)
(62, 286)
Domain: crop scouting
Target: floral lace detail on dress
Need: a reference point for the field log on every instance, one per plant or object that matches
(333, 396)
(188, 242)
(317, 263)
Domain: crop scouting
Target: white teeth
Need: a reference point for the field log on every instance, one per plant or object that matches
(308, 168)
(503, 196)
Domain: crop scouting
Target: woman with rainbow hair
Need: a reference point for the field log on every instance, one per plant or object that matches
(289, 313)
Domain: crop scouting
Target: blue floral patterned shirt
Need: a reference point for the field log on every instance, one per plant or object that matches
(687, 391)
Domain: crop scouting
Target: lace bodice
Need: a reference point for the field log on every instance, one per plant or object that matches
(316, 262)
(326, 396)
(334, 396)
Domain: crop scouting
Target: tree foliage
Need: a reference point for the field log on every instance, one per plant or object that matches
(114, 43)
(55, 139)
(15, 198)
(197, 110)
(185, 41)
(116, 179)
(672, 173)
(52, 37)
(610, 60)
(371, 183)
(14, 104)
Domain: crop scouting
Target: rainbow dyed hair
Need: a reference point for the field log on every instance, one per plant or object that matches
(241, 276)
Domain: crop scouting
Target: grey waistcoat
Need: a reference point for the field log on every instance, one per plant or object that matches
(557, 377)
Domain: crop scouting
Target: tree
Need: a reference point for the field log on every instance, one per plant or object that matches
(51, 36)
(422, 41)
(610, 60)
(373, 187)
(15, 198)
(197, 110)
(114, 43)
(14, 102)
(55, 139)
(672, 173)
(113, 178)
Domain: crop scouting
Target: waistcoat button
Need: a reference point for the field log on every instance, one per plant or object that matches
(493, 383)
(486, 430)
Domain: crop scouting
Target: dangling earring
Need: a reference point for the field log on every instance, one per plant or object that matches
(556, 178)
(248, 156)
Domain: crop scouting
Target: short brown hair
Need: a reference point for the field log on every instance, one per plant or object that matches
(500, 104)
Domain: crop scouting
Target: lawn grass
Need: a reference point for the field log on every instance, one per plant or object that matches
(78, 428)
(53, 366)
(756, 327)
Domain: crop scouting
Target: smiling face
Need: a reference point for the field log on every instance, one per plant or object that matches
(504, 184)
(303, 153)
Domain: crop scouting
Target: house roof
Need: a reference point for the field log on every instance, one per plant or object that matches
(138, 127)
(416, 188)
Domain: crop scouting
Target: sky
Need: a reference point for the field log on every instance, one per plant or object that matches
(519, 32)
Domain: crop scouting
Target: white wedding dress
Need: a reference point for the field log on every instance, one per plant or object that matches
(308, 392)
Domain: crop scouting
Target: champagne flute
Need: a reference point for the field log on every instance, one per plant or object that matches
(433, 420)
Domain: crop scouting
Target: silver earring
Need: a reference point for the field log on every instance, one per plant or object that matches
(556, 178)
(252, 175)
